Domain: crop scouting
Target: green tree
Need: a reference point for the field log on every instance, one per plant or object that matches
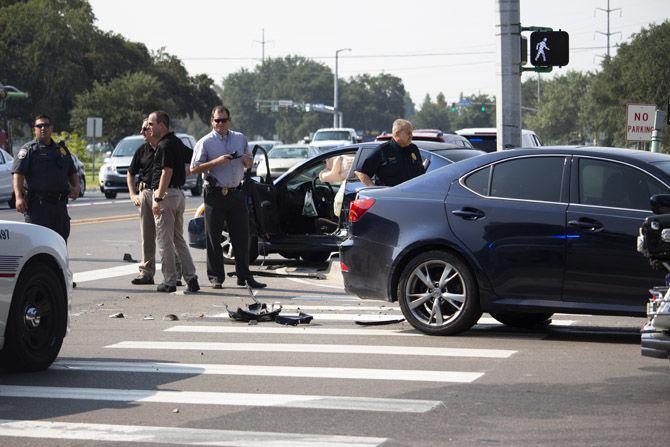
(557, 118)
(433, 115)
(122, 104)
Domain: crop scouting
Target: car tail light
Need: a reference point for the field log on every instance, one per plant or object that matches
(359, 207)
(343, 267)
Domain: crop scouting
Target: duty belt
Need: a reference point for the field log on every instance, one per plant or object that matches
(225, 191)
(49, 196)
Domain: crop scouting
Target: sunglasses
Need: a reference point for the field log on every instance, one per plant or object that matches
(145, 129)
(221, 120)
(43, 125)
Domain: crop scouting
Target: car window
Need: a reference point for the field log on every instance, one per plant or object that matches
(530, 178)
(127, 147)
(484, 142)
(289, 152)
(332, 135)
(479, 181)
(187, 142)
(612, 184)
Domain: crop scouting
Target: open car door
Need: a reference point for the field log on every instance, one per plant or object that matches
(262, 197)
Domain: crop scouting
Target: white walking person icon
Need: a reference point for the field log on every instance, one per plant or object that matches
(540, 47)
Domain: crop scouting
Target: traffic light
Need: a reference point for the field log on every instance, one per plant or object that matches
(483, 107)
(453, 107)
(549, 48)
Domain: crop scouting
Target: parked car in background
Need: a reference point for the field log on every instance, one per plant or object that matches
(329, 138)
(486, 139)
(112, 176)
(281, 158)
(6, 189)
(432, 135)
(519, 234)
(303, 213)
(81, 173)
(265, 144)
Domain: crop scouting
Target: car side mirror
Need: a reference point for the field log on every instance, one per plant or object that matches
(660, 203)
(306, 140)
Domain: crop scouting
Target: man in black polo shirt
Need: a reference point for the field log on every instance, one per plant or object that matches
(167, 178)
(394, 161)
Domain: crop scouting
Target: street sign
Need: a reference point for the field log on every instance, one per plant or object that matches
(640, 121)
(93, 127)
(549, 48)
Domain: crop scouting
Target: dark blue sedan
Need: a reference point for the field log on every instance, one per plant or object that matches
(520, 234)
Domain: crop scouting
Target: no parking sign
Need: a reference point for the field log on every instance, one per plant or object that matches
(640, 121)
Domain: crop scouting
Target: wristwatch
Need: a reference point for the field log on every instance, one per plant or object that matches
(158, 199)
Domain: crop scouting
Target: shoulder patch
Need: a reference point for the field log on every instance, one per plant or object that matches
(22, 153)
(62, 151)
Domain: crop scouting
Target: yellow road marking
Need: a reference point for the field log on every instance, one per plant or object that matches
(120, 218)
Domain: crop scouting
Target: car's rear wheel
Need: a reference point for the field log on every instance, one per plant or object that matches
(37, 320)
(438, 294)
(523, 319)
(227, 245)
(110, 194)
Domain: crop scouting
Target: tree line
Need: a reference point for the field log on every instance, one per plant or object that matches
(73, 70)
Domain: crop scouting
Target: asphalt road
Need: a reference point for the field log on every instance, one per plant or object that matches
(204, 379)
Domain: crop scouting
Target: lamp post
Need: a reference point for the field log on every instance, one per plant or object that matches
(337, 122)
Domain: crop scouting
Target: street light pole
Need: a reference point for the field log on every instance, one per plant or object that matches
(337, 121)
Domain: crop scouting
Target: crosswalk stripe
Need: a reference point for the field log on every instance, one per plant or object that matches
(174, 435)
(112, 272)
(272, 371)
(315, 348)
(215, 398)
(493, 321)
(292, 330)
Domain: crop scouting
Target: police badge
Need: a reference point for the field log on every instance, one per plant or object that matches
(413, 156)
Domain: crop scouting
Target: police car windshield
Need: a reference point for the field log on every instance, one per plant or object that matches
(127, 147)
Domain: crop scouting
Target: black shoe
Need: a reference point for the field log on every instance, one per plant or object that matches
(166, 288)
(142, 280)
(251, 283)
(217, 285)
(179, 283)
(192, 285)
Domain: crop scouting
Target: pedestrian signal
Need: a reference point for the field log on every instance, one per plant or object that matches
(549, 48)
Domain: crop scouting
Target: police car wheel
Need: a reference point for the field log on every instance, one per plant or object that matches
(37, 320)
(437, 294)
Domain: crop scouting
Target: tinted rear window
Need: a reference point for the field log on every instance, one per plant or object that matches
(484, 142)
(534, 178)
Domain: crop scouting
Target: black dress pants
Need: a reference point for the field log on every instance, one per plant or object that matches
(229, 210)
(49, 213)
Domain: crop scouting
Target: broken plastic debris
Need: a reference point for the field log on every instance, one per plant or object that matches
(117, 315)
(294, 320)
(381, 322)
(176, 410)
(171, 317)
(148, 317)
(128, 258)
(256, 311)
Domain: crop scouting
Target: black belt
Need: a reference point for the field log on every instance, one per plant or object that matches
(49, 196)
(223, 190)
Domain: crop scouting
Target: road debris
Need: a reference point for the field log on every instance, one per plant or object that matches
(117, 315)
(171, 317)
(128, 258)
(380, 322)
(148, 317)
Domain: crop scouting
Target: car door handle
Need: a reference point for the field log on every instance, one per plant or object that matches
(587, 224)
(468, 213)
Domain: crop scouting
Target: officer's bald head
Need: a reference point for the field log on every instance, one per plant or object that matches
(402, 132)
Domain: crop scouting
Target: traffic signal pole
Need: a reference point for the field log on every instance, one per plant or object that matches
(508, 97)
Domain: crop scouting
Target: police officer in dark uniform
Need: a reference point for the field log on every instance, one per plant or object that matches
(394, 161)
(44, 178)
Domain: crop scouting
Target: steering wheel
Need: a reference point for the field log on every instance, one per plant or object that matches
(321, 197)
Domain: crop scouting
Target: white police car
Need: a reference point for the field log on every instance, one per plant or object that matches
(35, 289)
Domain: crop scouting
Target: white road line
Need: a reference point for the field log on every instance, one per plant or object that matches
(112, 272)
(235, 399)
(290, 330)
(174, 435)
(316, 283)
(493, 321)
(273, 371)
(341, 308)
(316, 348)
(109, 202)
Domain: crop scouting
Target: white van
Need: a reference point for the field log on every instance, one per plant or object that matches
(485, 138)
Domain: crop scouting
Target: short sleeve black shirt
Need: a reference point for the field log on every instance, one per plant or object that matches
(170, 153)
(47, 168)
(392, 164)
(142, 163)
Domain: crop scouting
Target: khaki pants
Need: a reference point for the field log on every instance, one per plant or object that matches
(170, 236)
(148, 236)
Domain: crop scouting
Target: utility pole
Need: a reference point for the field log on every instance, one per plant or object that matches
(262, 42)
(608, 11)
(508, 97)
(337, 116)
